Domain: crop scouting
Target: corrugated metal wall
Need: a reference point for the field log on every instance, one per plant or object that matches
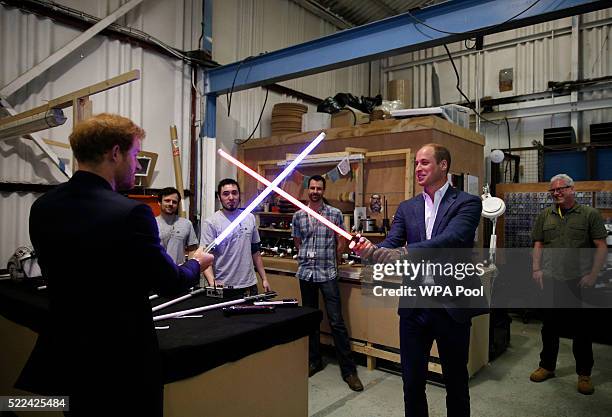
(160, 98)
(537, 54)
(242, 28)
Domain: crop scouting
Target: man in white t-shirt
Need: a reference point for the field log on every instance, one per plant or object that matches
(237, 257)
(175, 233)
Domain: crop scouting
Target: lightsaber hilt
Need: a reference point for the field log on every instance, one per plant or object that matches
(210, 247)
(354, 240)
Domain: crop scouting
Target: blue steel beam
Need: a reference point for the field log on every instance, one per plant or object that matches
(392, 36)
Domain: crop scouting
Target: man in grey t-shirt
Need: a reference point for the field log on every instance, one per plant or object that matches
(175, 233)
(236, 256)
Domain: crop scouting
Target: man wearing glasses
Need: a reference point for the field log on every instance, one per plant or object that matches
(569, 251)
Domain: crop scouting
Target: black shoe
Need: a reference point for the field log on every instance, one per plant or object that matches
(354, 382)
(314, 367)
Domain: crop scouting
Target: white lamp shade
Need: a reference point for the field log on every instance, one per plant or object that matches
(496, 156)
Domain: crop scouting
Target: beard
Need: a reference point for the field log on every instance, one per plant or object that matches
(231, 208)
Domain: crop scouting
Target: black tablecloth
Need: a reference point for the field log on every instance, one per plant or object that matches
(191, 345)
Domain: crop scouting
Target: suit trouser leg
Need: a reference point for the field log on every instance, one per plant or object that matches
(310, 298)
(333, 306)
(416, 339)
(453, 340)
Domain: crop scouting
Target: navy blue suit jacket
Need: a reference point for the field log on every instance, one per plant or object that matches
(101, 255)
(455, 227)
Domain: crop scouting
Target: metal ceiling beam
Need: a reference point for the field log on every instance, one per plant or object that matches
(392, 36)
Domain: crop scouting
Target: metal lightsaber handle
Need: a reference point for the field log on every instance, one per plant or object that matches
(210, 247)
(266, 296)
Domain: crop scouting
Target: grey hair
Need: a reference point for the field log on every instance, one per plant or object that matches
(568, 180)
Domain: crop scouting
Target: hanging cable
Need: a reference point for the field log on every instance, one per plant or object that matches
(241, 142)
(419, 21)
(228, 96)
(509, 148)
(458, 86)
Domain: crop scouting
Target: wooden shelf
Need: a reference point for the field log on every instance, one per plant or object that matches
(272, 229)
(270, 213)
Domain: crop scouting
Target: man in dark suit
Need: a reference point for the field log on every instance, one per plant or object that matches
(101, 255)
(433, 224)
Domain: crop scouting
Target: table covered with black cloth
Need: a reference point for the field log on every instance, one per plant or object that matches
(190, 346)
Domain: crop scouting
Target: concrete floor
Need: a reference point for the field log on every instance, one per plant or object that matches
(500, 389)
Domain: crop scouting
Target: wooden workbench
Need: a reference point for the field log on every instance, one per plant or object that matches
(373, 329)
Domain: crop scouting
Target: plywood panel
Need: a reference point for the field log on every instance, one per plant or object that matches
(371, 320)
(465, 146)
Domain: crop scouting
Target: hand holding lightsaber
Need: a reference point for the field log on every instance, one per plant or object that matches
(369, 252)
(204, 258)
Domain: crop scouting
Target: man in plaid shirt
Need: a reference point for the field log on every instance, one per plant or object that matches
(318, 250)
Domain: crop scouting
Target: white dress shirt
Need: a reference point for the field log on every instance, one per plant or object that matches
(431, 208)
(431, 211)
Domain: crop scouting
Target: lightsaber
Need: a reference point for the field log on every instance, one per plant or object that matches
(264, 193)
(266, 296)
(288, 196)
(178, 299)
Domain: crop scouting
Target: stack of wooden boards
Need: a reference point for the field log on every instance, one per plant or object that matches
(287, 118)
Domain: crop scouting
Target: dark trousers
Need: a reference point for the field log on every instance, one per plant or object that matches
(417, 333)
(331, 297)
(568, 319)
(575, 323)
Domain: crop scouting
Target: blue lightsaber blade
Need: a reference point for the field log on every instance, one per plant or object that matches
(265, 192)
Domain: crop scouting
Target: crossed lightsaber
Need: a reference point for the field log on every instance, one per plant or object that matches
(270, 186)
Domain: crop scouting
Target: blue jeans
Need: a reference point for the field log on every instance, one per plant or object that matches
(331, 297)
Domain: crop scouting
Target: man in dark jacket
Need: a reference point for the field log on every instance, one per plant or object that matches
(101, 255)
(439, 225)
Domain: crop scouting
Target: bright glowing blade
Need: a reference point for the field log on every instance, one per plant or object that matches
(269, 189)
(288, 196)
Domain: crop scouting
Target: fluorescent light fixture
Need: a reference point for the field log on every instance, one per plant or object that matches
(31, 124)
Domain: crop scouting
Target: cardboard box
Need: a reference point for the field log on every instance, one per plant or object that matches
(315, 121)
(400, 90)
(345, 118)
